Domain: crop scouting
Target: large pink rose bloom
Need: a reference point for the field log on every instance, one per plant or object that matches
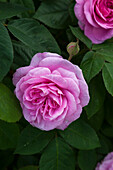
(107, 163)
(95, 18)
(51, 91)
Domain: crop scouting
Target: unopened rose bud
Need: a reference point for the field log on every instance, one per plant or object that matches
(73, 48)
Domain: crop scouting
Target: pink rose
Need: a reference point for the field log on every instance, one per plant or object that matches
(95, 18)
(107, 163)
(51, 91)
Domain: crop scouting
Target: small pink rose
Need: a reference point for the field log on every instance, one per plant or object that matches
(51, 91)
(95, 18)
(107, 163)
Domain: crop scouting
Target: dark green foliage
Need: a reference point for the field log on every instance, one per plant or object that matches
(57, 156)
(80, 135)
(31, 26)
(33, 140)
(87, 159)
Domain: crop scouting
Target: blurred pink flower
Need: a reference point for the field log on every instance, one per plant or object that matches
(95, 18)
(51, 91)
(107, 163)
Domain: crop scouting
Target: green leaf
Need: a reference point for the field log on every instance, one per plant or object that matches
(109, 109)
(54, 13)
(28, 4)
(92, 64)
(6, 52)
(107, 54)
(80, 35)
(80, 135)
(22, 55)
(72, 13)
(106, 50)
(97, 96)
(107, 73)
(34, 35)
(10, 109)
(8, 82)
(30, 167)
(9, 133)
(57, 156)
(8, 10)
(3, 0)
(97, 120)
(107, 130)
(106, 145)
(106, 45)
(87, 159)
(33, 140)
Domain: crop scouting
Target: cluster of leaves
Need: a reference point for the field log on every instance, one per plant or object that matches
(30, 26)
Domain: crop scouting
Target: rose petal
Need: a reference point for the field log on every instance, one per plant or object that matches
(20, 73)
(69, 120)
(49, 125)
(40, 56)
(54, 63)
(84, 93)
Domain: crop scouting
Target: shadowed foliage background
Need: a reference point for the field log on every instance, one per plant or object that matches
(31, 26)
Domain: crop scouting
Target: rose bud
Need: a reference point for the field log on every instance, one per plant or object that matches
(73, 48)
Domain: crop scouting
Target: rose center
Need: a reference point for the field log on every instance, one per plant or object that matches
(109, 4)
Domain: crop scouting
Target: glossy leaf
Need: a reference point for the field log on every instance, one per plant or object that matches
(92, 64)
(105, 49)
(97, 119)
(97, 96)
(107, 54)
(9, 133)
(106, 145)
(10, 109)
(80, 135)
(107, 130)
(6, 51)
(34, 35)
(33, 140)
(22, 55)
(28, 4)
(57, 156)
(87, 159)
(8, 10)
(54, 13)
(107, 73)
(106, 45)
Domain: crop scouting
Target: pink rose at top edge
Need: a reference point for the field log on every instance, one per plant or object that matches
(51, 91)
(95, 17)
(107, 163)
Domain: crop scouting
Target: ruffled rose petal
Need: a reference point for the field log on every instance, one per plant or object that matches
(97, 35)
(40, 56)
(54, 63)
(70, 119)
(20, 73)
